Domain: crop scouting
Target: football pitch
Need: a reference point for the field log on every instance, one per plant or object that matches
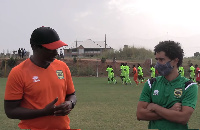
(100, 106)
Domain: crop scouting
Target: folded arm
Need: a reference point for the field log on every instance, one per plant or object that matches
(144, 114)
(181, 116)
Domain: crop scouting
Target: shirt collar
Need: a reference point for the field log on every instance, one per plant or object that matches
(173, 82)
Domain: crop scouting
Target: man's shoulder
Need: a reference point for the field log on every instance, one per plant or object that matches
(187, 82)
(59, 62)
(154, 80)
(22, 65)
(183, 79)
(19, 69)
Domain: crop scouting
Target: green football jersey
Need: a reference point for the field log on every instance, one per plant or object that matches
(122, 70)
(127, 68)
(109, 71)
(166, 93)
(181, 71)
(153, 72)
(140, 70)
(192, 69)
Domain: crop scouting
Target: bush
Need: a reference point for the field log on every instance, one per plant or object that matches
(3, 64)
(79, 70)
(74, 60)
(11, 62)
(86, 71)
(1, 73)
(129, 53)
(74, 70)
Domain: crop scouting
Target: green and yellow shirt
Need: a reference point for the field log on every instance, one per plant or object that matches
(166, 93)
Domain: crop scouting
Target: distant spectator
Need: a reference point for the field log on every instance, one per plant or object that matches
(24, 52)
(19, 53)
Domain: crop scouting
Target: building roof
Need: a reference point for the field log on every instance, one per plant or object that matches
(89, 44)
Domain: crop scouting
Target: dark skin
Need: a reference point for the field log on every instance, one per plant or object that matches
(42, 57)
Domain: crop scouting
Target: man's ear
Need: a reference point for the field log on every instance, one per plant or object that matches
(176, 61)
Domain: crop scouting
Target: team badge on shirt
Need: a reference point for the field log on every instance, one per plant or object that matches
(178, 92)
(155, 92)
(60, 74)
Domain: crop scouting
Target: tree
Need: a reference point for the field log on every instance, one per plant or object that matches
(129, 53)
(196, 54)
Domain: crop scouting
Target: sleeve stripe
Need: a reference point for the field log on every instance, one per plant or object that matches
(149, 83)
(190, 85)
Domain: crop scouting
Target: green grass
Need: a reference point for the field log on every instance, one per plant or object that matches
(100, 106)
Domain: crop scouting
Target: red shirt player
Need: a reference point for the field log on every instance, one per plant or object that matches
(135, 74)
(197, 72)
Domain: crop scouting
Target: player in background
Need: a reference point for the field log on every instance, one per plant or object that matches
(181, 71)
(135, 75)
(108, 69)
(122, 75)
(197, 72)
(192, 72)
(127, 71)
(153, 71)
(140, 73)
(113, 75)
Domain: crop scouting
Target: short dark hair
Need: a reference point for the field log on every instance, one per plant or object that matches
(172, 50)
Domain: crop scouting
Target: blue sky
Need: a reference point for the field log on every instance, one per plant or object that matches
(139, 23)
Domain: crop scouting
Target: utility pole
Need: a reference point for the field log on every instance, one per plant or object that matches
(5, 67)
(77, 42)
(105, 41)
(97, 69)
